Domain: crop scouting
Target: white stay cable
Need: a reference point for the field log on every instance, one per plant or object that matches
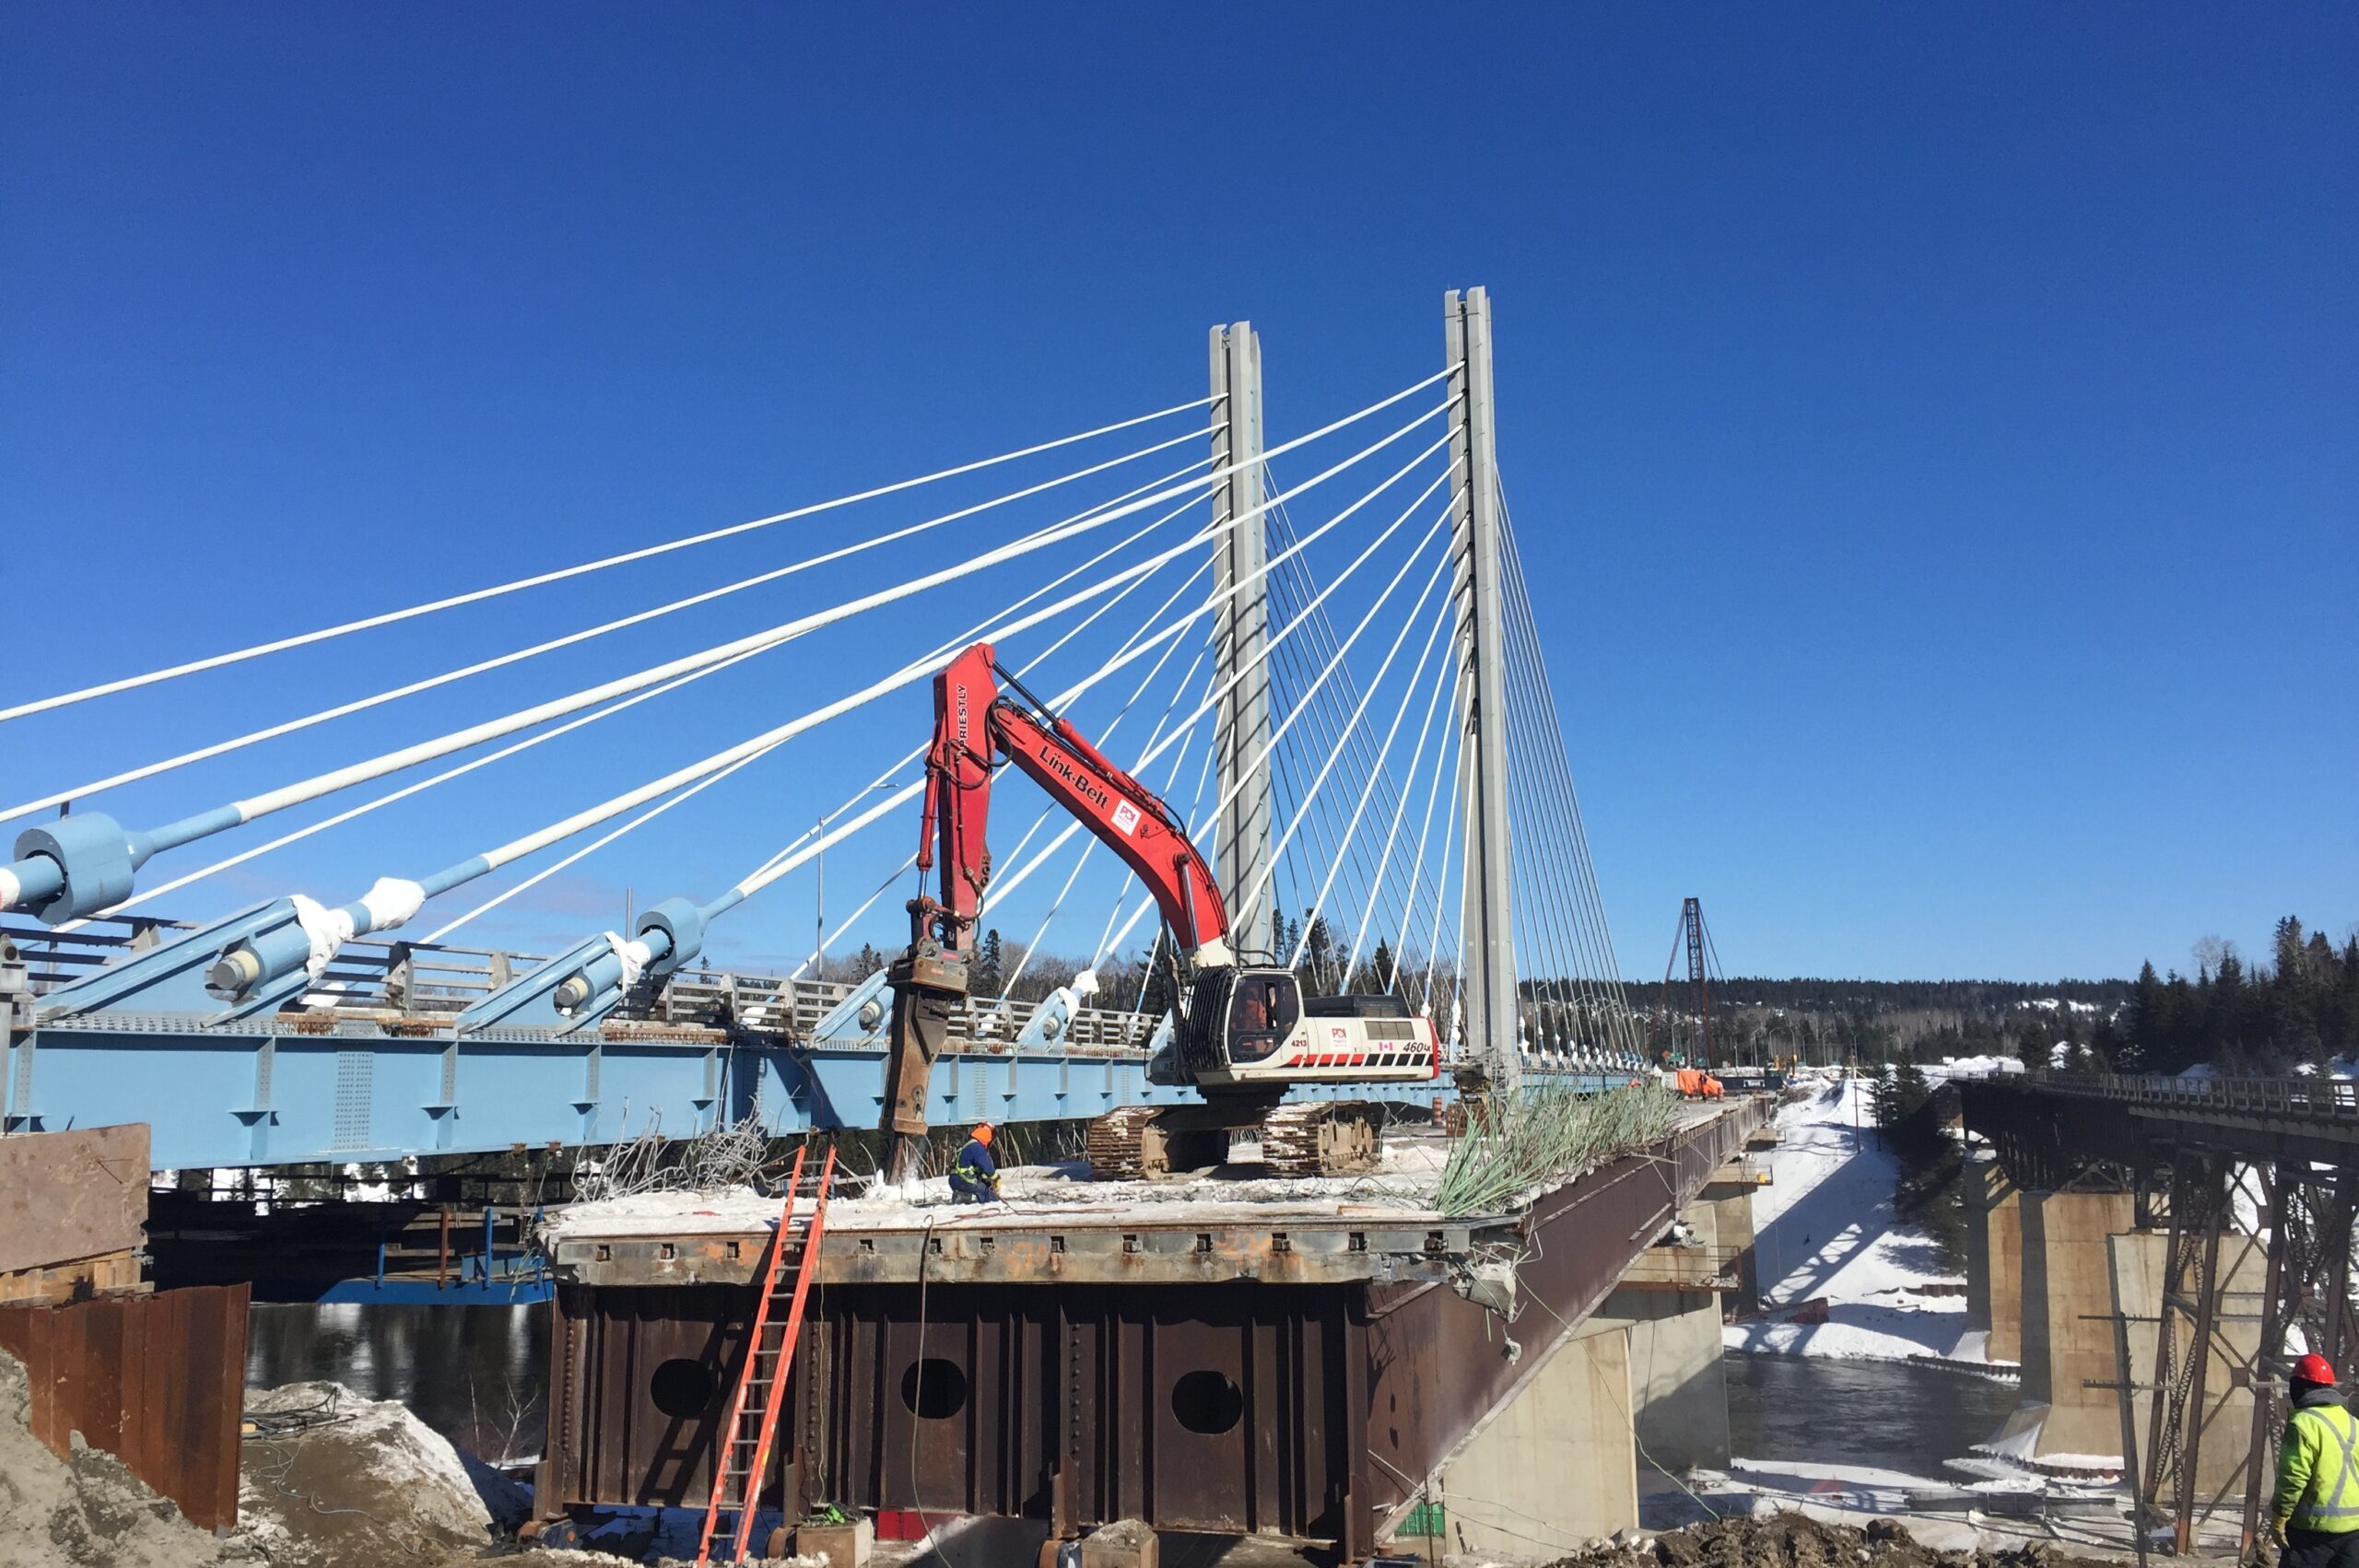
(1416, 681)
(459, 740)
(1278, 638)
(369, 622)
(1329, 732)
(272, 733)
(944, 653)
(469, 767)
(1171, 781)
(779, 866)
(1081, 862)
(1453, 735)
(1238, 917)
(1323, 639)
(1445, 681)
(853, 919)
(418, 786)
(1568, 801)
(1408, 624)
(963, 640)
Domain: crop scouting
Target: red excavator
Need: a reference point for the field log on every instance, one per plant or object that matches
(1246, 1033)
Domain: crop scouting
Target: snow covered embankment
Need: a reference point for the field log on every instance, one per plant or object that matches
(1840, 1274)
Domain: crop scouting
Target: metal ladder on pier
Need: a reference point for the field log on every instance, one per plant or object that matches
(744, 1451)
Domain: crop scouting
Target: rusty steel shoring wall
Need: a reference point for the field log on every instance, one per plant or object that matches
(158, 1381)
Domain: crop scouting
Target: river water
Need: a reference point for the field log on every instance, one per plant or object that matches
(474, 1374)
(1889, 1415)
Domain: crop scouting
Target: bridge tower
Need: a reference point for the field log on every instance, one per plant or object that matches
(1486, 924)
(1241, 622)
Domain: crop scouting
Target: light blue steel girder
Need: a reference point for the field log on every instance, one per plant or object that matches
(220, 1097)
(172, 978)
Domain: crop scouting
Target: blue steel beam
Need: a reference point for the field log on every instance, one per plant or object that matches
(360, 1092)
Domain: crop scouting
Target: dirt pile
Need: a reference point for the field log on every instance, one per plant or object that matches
(335, 1480)
(1794, 1540)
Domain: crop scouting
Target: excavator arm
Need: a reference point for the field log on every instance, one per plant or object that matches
(974, 726)
(975, 723)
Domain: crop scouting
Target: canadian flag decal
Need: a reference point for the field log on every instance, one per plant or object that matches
(1126, 816)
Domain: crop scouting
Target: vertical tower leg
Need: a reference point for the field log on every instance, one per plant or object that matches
(1241, 622)
(1486, 940)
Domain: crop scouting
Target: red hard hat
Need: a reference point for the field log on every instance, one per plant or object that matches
(2313, 1369)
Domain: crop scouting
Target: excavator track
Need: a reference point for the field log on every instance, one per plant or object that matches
(1338, 1138)
(1116, 1145)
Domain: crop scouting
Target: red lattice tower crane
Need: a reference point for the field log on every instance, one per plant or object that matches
(1696, 942)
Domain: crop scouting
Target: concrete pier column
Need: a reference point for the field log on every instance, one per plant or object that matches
(1677, 1380)
(1554, 1466)
(2067, 1340)
(2138, 1262)
(1726, 1202)
(1994, 1240)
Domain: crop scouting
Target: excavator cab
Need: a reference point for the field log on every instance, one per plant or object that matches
(1237, 1017)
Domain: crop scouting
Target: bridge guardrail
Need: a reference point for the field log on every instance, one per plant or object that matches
(423, 981)
(2317, 1097)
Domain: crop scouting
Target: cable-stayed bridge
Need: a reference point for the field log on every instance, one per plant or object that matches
(1319, 646)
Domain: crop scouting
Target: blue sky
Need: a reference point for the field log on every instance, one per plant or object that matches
(1934, 437)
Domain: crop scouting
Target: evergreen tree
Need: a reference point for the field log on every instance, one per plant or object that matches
(987, 974)
(1160, 995)
(2035, 1047)
(1319, 956)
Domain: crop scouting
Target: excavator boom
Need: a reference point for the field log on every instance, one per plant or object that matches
(975, 723)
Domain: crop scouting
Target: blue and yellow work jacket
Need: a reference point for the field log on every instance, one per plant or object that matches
(2318, 1466)
(976, 1172)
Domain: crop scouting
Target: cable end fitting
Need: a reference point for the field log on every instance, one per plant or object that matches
(70, 868)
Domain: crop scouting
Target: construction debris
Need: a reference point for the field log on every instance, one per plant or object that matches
(1795, 1541)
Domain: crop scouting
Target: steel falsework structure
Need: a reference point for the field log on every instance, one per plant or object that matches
(1243, 1372)
(2190, 1141)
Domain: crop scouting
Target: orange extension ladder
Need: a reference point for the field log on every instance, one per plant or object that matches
(753, 1409)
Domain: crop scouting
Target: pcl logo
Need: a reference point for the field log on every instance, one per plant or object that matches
(1126, 817)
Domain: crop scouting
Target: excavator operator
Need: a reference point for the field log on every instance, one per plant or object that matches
(975, 1178)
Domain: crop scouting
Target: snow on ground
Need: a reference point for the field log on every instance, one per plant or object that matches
(1974, 1067)
(1824, 1231)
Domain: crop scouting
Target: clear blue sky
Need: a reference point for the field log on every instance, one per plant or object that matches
(1935, 437)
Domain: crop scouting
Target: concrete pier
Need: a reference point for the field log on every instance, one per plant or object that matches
(2138, 1262)
(1556, 1465)
(2067, 1334)
(1994, 1240)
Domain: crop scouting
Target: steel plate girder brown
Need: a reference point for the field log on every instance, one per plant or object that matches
(1440, 1360)
(1067, 1409)
(1064, 1403)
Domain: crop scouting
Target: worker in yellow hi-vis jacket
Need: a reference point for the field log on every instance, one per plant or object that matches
(2316, 1508)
